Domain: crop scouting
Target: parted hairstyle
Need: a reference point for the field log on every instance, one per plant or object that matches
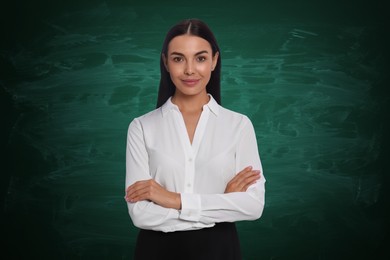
(198, 28)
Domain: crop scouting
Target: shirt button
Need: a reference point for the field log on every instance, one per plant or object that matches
(188, 185)
(190, 159)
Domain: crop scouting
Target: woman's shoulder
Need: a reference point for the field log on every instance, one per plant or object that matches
(147, 118)
(232, 115)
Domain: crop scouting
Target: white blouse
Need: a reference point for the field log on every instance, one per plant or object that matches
(224, 143)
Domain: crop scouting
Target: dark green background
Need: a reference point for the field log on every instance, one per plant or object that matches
(312, 76)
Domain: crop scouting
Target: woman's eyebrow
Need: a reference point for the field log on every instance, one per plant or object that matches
(181, 54)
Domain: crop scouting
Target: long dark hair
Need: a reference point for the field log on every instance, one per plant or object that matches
(197, 28)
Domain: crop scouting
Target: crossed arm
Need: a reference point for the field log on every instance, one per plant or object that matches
(150, 190)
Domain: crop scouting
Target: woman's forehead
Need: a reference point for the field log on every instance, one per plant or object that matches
(188, 44)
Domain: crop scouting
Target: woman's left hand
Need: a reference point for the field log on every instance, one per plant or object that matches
(152, 191)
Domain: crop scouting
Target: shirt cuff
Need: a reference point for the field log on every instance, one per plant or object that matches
(190, 207)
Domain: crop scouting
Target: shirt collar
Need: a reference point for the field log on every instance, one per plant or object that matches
(169, 106)
(213, 105)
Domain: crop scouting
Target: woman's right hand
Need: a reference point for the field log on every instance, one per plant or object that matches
(242, 180)
(152, 191)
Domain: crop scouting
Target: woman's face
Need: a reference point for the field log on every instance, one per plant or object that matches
(190, 62)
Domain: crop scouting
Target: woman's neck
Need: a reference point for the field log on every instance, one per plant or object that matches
(190, 103)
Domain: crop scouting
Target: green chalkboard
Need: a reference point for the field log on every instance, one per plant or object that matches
(311, 75)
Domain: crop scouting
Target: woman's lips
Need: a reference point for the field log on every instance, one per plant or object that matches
(190, 82)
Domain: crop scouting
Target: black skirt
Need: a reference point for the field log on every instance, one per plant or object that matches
(216, 243)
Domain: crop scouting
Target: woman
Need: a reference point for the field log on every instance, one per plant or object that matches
(192, 166)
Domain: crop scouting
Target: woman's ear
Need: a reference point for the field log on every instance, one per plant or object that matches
(215, 61)
(164, 59)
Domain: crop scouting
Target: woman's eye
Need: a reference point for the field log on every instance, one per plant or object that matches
(201, 58)
(177, 59)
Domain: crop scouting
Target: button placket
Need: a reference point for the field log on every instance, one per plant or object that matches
(190, 173)
(190, 150)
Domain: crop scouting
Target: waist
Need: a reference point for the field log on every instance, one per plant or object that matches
(220, 240)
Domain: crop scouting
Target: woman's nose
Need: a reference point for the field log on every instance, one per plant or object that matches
(189, 70)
